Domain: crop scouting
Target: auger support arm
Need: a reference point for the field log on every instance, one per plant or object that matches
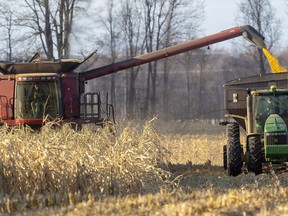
(248, 32)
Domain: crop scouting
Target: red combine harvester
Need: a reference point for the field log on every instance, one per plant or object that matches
(35, 91)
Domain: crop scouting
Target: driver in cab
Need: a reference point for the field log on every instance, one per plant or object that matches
(37, 101)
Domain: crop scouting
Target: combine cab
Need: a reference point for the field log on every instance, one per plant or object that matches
(35, 92)
(259, 104)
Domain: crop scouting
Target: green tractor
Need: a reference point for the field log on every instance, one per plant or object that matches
(258, 104)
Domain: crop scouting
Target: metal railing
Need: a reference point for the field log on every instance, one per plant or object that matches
(5, 108)
(91, 106)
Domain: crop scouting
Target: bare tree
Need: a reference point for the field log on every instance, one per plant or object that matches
(262, 16)
(7, 24)
(131, 27)
(111, 25)
(159, 20)
(167, 40)
(51, 21)
(184, 19)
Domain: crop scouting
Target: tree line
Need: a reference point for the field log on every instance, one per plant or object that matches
(187, 86)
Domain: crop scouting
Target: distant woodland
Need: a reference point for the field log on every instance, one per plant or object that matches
(186, 86)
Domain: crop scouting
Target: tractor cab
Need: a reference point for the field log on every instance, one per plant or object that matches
(269, 104)
(270, 111)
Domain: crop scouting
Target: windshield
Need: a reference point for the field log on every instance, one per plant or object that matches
(269, 104)
(37, 100)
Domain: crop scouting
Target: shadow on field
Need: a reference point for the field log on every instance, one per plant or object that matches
(207, 176)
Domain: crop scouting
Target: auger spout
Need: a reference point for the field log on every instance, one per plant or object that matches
(253, 36)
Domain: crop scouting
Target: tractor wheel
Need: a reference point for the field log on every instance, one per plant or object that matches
(234, 150)
(256, 154)
(225, 157)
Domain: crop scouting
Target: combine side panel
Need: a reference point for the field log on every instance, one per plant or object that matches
(235, 102)
(70, 95)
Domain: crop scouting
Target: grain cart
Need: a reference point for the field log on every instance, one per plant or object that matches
(33, 91)
(259, 104)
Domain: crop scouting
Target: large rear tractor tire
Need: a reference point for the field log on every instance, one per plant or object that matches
(234, 150)
(256, 155)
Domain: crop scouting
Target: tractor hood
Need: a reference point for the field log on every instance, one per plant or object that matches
(275, 123)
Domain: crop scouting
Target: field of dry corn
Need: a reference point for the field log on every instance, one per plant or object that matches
(155, 168)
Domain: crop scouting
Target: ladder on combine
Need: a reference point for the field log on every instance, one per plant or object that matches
(91, 107)
(6, 110)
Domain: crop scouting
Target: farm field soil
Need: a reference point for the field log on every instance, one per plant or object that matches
(181, 175)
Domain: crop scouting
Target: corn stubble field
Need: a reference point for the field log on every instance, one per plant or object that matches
(172, 168)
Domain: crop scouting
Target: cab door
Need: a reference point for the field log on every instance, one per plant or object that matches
(70, 94)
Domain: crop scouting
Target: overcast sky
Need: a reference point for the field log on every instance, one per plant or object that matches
(220, 15)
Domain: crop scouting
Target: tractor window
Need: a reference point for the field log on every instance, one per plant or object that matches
(269, 104)
(37, 100)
